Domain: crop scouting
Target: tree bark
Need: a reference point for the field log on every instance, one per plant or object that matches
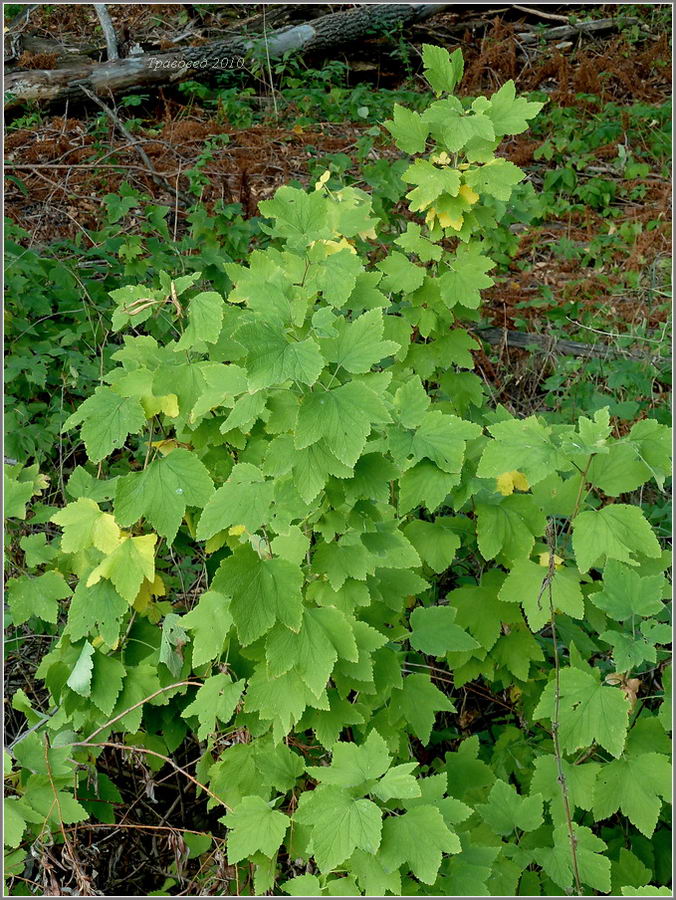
(108, 30)
(150, 70)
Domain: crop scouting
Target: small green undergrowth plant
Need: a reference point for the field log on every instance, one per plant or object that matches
(368, 537)
(58, 314)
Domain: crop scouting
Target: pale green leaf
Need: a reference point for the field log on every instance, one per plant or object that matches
(28, 596)
(216, 699)
(302, 886)
(636, 784)
(443, 70)
(646, 890)
(400, 274)
(419, 838)
(162, 492)
(424, 485)
(590, 712)
(85, 525)
(399, 783)
(432, 181)
(360, 344)
(273, 358)
(466, 277)
(508, 527)
(209, 621)
(262, 592)
(593, 866)
(312, 467)
(653, 445)
(107, 419)
(205, 318)
(497, 178)
(580, 781)
(522, 445)
(96, 610)
(618, 471)
(14, 821)
(625, 593)
(324, 635)
(436, 544)
(529, 584)
(507, 810)
(433, 631)
(413, 242)
(420, 701)
(298, 215)
(354, 764)
(244, 499)
(292, 545)
(454, 129)
(343, 416)
(16, 496)
(247, 409)
(439, 437)
(509, 113)
(37, 551)
(516, 649)
(80, 678)
(374, 880)
(107, 679)
(254, 826)
(408, 129)
(616, 532)
(411, 402)
(340, 824)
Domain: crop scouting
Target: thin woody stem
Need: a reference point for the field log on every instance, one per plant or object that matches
(561, 776)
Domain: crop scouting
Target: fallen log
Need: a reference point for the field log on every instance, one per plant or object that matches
(148, 70)
(545, 344)
(561, 32)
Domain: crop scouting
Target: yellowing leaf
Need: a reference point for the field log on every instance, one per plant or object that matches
(323, 178)
(40, 483)
(105, 533)
(543, 559)
(506, 482)
(336, 246)
(126, 567)
(152, 405)
(169, 405)
(216, 542)
(467, 193)
(84, 525)
(165, 447)
(447, 222)
(236, 530)
(370, 233)
(143, 603)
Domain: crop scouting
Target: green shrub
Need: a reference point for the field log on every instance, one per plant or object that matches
(367, 537)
